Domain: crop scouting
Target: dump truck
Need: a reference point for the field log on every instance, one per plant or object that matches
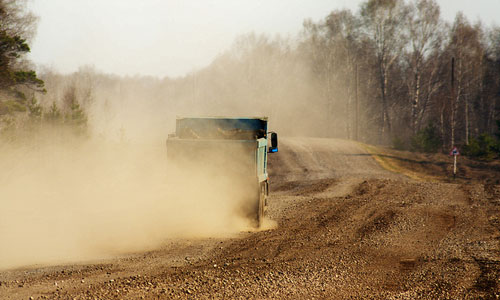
(233, 148)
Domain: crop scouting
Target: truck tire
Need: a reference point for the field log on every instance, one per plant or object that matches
(262, 204)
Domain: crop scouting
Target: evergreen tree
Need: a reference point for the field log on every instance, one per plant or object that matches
(14, 77)
(34, 109)
(54, 114)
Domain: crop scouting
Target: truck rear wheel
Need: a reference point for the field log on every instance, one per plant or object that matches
(262, 205)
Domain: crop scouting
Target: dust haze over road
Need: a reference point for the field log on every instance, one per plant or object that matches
(67, 198)
(346, 228)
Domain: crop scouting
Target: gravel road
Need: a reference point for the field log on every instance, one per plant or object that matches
(345, 229)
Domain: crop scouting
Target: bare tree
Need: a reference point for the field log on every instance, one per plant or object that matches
(491, 82)
(322, 61)
(343, 34)
(468, 53)
(17, 20)
(384, 22)
(424, 35)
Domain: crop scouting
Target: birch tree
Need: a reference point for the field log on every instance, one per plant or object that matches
(467, 52)
(424, 36)
(343, 34)
(383, 22)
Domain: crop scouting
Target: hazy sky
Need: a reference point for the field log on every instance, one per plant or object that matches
(173, 37)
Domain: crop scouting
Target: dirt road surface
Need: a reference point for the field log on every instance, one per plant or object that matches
(346, 229)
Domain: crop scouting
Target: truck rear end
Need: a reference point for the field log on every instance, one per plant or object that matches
(230, 149)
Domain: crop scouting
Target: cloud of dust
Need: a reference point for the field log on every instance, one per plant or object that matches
(66, 198)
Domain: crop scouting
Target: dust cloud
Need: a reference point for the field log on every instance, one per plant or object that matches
(68, 198)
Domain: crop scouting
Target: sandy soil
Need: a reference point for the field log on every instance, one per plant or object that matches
(346, 228)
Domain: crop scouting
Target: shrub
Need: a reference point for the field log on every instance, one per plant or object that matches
(53, 114)
(484, 146)
(399, 144)
(426, 140)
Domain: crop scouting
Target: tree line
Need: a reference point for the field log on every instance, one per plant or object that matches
(423, 84)
(392, 73)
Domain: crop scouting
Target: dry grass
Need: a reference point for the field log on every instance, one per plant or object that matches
(434, 167)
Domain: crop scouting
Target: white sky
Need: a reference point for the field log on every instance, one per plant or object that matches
(173, 37)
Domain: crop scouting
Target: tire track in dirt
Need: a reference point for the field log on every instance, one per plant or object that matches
(347, 229)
